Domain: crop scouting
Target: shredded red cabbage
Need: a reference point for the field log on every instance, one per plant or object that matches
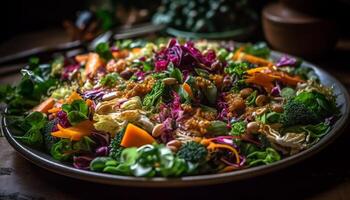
(286, 61)
(183, 56)
(69, 70)
(82, 162)
(94, 94)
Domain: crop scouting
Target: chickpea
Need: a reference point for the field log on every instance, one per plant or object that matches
(174, 145)
(261, 100)
(253, 127)
(157, 130)
(126, 74)
(277, 108)
(245, 92)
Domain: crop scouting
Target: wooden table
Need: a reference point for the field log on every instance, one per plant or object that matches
(324, 176)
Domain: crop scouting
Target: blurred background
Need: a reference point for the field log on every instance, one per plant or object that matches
(307, 28)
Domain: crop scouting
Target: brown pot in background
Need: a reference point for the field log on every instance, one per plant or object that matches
(295, 32)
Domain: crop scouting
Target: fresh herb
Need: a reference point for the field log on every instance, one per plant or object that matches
(175, 72)
(33, 124)
(77, 111)
(237, 69)
(110, 80)
(238, 128)
(104, 51)
(250, 101)
(151, 98)
(258, 49)
(269, 117)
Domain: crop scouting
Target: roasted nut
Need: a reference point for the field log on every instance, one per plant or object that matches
(120, 65)
(277, 108)
(174, 145)
(109, 96)
(245, 92)
(169, 81)
(253, 127)
(126, 74)
(261, 100)
(238, 105)
(157, 130)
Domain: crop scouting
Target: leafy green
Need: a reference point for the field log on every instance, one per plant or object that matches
(315, 132)
(110, 80)
(259, 49)
(104, 51)
(33, 124)
(34, 84)
(146, 161)
(86, 144)
(238, 128)
(147, 66)
(222, 54)
(77, 111)
(175, 73)
(157, 159)
(269, 117)
(307, 108)
(62, 150)
(251, 98)
(263, 157)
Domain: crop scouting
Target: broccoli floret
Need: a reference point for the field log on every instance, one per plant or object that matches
(307, 108)
(116, 149)
(193, 152)
(49, 140)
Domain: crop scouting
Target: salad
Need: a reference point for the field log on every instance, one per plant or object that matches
(169, 108)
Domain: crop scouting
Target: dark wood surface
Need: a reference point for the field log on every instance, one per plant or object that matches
(324, 176)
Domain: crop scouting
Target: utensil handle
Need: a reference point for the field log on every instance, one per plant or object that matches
(40, 51)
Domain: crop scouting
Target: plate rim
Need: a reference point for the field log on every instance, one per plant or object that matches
(197, 180)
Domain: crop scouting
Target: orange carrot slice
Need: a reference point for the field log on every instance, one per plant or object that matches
(136, 137)
(92, 64)
(45, 106)
(188, 89)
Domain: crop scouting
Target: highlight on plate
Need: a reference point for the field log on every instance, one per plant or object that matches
(170, 108)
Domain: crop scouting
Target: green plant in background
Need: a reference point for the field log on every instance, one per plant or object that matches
(205, 16)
